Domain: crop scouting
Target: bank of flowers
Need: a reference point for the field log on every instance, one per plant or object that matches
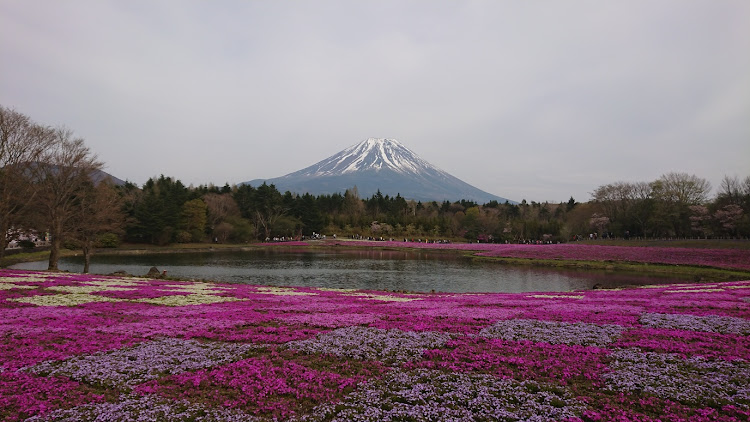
(84, 347)
(581, 251)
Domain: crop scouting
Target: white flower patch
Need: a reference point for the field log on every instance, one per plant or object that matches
(556, 296)
(384, 298)
(661, 286)
(282, 291)
(202, 288)
(188, 290)
(330, 289)
(694, 291)
(72, 299)
(11, 280)
(695, 288)
(87, 289)
(740, 286)
(22, 279)
(116, 283)
(8, 286)
(190, 299)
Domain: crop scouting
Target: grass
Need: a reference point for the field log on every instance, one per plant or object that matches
(23, 257)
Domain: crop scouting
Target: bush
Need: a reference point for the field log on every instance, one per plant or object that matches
(108, 240)
(183, 237)
(242, 231)
(71, 244)
(26, 244)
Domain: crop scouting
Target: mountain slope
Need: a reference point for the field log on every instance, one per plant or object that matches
(379, 164)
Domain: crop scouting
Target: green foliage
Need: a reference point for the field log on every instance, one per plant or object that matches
(155, 211)
(242, 230)
(183, 236)
(193, 220)
(287, 226)
(108, 240)
(71, 244)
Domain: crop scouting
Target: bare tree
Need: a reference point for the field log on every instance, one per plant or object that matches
(220, 207)
(616, 199)
(674, 194)
(98, 212)
(22, 142)
(63, 176)
(730, 191)
(683, 188)
(746, 186)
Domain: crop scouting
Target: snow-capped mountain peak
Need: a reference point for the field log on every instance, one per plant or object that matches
(373, 154)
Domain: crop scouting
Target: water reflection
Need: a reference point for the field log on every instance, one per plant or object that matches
(417, 271)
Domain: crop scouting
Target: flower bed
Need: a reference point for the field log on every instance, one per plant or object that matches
(82, 347)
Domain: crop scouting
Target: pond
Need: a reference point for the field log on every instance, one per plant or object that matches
(414, 271)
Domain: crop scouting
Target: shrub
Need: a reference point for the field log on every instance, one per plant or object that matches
(108, 240)
(183, 237)
(26, 244)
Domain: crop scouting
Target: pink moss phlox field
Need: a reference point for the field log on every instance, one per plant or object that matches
(23, 395)
(82, 348)
(269, 385)
(721, 258)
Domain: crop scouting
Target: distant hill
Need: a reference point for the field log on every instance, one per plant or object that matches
(379, 164)
(97, 176)
(100, 175)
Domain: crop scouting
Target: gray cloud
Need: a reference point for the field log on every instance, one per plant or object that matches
(523, 99)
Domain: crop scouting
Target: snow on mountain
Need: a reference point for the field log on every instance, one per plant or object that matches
(372, 154)
(379, 164)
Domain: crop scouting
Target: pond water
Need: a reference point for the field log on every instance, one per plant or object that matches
(416, 271)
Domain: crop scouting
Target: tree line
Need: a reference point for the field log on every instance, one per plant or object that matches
(51, 182)
(677, 205)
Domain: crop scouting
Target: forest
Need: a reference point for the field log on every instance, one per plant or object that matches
(52, 184)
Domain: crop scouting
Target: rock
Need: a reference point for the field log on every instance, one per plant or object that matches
(153, 273)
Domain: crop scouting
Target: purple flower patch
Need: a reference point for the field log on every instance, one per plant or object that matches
(554, 332)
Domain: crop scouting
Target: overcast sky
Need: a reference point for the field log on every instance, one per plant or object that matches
(536, 100)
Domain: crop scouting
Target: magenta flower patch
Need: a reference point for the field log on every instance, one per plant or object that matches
(269, 385)
(23, 395)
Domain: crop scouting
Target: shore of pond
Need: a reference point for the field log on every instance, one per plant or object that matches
(709, 269)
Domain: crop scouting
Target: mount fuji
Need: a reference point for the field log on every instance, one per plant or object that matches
(379, 164)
